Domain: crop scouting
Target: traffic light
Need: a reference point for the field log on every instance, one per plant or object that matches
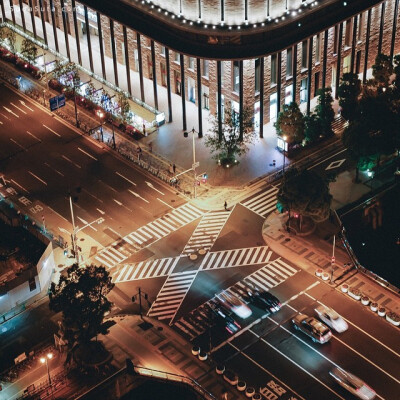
(204, 178)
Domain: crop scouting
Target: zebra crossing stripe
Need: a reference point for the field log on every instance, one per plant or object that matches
(263, 203)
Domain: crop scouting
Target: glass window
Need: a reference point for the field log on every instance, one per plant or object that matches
(316, 84)
(177, 58)
(360, 26)
(163, 50)
(303, 91)
(289, 62)
(318, 48)
(257, 75)
(335, 40)
(235, 76)
(205, 68)
(347, 37)
(274, 69)
(304, 54)
(191, 63)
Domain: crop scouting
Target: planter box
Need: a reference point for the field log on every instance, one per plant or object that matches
(374, 306)
(381, 311)
(202, 355)
(220, 369)
(393, 318)
(195, 350)
(365, 300)
(318, 272)
(344, 288)
(231, 377)
(250, 391)
(354, 293)
(325, 276)
(241, 386)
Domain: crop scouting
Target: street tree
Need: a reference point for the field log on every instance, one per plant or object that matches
(313, 128)
(81, 297)
(230, 144)
(123, 104)
(305, 193)
(324, 110)
(290, 123)
(349, 92)
(382, 71)
(29, 50)
(11, 38)
(68, 70)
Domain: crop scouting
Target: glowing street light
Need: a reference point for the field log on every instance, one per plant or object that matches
(45, 360)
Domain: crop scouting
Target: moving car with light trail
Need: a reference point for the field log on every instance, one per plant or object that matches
(353, 384)
(317, 331)
(234, 304)
(264, 300)
(331, 318)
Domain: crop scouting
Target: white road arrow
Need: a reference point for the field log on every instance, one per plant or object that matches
(20, 109)
(137, 195)
(11, 112)
(150, 185)
(24, 104)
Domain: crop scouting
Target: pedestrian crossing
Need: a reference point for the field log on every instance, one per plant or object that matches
(171, 295)
(271, 275)
(147, 234)
(144, 270)
(206, 231)
(236, 258)
(264, 202)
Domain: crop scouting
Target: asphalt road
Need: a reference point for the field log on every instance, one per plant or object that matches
(45, 160)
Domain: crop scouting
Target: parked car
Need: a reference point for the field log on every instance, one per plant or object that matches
(317, 331)
(264, 300)
(353, 384)
(134, 132)
(234, 304)
(225, 319)
(331, 318)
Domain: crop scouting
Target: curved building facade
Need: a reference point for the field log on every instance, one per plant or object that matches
(206, 53)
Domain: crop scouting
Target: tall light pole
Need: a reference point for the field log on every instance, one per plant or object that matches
(100, 114)
(194, 165)
(73, 235)
(45, 360)
(284, 153)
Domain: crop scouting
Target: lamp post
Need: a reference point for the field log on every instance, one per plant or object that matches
(100, 114)
(45, 360)
(73, 235)
(194, 165)
(284, 152)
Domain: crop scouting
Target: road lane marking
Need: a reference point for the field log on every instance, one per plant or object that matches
(16, 183)
(90, 194)
(360, 329)
(118, 202)
(1, 123)
(151, 186)
(20, 145)
(94, 142)
(87, 223)
(162, 201)
(100, 211)
(138, 195)
(124, 177)
(31, 134)
(326, 159)
(67, 159)
(265, 370)
(89, 155)
(11, 112)
(5, 116)
(51, 130)
(20, 109)
(24, 104)
(366, 359)
(39, 179)
(298, 365)
(55, 212)
(53, 169)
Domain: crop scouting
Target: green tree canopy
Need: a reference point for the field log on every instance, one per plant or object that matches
(81, 296)
(382, 71)
(348, 92)
(231, 144)
(29, 50)
(313, 128)
(290, 123)
(324, 110)
(305, 193)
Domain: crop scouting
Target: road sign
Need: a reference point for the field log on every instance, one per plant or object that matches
(196, 165)
(57, 101)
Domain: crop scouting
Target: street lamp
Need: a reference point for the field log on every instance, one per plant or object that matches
(45, 360)
(195, 164)
(100, 114)
(284, 152)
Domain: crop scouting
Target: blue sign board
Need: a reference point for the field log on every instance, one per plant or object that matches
(57, 102)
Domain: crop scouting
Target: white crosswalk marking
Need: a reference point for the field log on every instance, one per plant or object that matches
(264, 202)
(172, 294)
(144, 270)
(270, 275)
(236, 258)
(206, 231)
(148, 234)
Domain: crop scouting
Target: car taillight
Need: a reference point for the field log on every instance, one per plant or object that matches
(237, 324)
(229, 330)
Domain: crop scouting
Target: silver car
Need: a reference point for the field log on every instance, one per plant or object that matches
(331, 318)
(353, 384)
(317, 331)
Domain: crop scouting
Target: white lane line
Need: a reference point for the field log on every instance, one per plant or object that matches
(24, 104)
(31, 134)
(93, 142)
(20, 145)
(90, 194)
(20, 109)
(39, 179)
(124, 177)
(53, 169)
(151, 186)
(1, 123)
(5, 116)
(298, 365)
(138, 195)
(55, 212)
(100, 211)
(162, 201)
(265, 370)
(118, 202)
(326, 159)
(51, 130)
(16, 183)
(87, 223)
(360, 329)
(11, 112)
(67, 159)
(366, 359)
(89, 155)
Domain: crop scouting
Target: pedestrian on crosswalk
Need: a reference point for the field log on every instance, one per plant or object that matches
(226, 206)
(174, 168)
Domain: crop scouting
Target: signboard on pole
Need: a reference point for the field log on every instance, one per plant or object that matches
(57, 102)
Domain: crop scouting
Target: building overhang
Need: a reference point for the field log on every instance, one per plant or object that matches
(220, 42)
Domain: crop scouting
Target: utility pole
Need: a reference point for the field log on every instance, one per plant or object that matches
(140, 293)
(333, 257)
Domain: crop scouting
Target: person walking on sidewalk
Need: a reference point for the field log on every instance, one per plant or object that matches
(226, 206)
(174, 168)
(139, 153)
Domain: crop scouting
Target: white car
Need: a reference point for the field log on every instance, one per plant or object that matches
(353, 384)
(331, 318)
(234, 304)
